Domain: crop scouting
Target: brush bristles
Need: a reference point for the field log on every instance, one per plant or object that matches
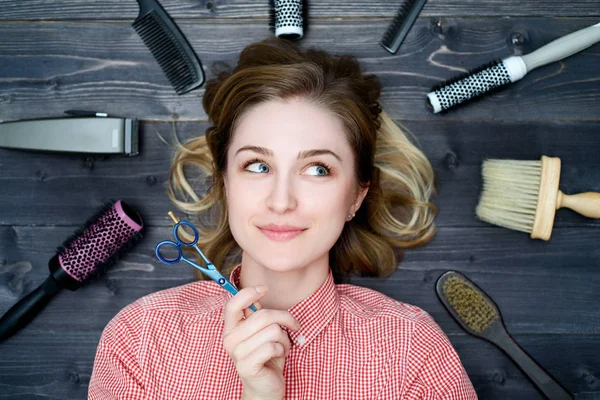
(470, 305)
(510, 193)
(467, 87)
(273, 16)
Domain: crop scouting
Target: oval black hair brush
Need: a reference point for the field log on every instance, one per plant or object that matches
(479, 315)
(114, 229)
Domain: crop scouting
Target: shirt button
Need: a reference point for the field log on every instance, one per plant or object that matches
(301, 340)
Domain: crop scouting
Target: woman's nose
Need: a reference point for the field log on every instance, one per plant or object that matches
(281, 197)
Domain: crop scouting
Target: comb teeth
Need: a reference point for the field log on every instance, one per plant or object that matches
(401, 24)
(166, 49)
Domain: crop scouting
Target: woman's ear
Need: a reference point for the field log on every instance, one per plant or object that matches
(360, 196)
(224, 178)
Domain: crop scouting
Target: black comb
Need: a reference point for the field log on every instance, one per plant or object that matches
(169, 47)
(399, 27)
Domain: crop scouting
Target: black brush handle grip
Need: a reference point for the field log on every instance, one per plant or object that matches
(547, 385)
(27, 308)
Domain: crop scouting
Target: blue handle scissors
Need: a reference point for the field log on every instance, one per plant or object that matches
(211, 271)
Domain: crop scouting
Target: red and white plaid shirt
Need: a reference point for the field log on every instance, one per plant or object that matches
(355, 343)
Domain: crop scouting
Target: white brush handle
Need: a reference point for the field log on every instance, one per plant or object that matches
(563, 47)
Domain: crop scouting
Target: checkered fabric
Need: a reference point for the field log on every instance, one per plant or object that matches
(355, 343)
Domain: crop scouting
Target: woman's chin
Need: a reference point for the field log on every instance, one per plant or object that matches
(281, 264)
(282, 258)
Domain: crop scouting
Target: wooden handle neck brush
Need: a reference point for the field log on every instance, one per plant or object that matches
(546, 207)
(524, 196)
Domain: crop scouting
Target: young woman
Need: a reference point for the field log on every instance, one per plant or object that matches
(313, 183)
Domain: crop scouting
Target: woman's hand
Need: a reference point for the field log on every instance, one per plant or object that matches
(257, 344)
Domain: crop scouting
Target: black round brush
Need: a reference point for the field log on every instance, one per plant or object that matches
(498, 74)
(288, 19)
(479, 316)
(103, 238)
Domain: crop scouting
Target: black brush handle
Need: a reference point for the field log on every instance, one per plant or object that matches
(27, 308)
(547, 385)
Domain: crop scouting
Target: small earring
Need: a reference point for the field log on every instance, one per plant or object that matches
(350, 216)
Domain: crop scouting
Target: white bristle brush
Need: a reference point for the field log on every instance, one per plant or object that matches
(500, 73)
(524, 196)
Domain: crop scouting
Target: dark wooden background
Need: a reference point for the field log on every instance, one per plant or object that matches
(83, 54)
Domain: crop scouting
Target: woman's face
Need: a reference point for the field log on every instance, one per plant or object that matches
(290, 184)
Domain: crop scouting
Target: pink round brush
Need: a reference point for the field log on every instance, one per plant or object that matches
(104, 237)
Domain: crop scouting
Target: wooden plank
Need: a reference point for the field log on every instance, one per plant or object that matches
(36, 183)
(547, 298)
(547, 292)
(539, 288)
(36, 364)
(56, 66)
(208, 9)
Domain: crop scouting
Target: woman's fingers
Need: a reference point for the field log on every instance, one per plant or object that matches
(248, 312)
(233, 312)
(257, 322)
(272, 333)
(255, 361)
(257, 343)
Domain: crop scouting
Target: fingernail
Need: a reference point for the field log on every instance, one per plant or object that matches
(260, 288)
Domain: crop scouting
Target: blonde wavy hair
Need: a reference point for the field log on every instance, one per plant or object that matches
(396, 212)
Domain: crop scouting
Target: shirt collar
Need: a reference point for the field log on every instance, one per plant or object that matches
(313, 313)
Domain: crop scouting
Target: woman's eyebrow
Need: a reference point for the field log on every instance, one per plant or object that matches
(303, 154)
(260, 150)
(317, 152)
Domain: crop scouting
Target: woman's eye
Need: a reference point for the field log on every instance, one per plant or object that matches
(318, 170)
(258, 167)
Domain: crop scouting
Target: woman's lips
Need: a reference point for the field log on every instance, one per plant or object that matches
(281, 235)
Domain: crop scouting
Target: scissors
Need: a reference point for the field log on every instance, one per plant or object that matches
(210, 269)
